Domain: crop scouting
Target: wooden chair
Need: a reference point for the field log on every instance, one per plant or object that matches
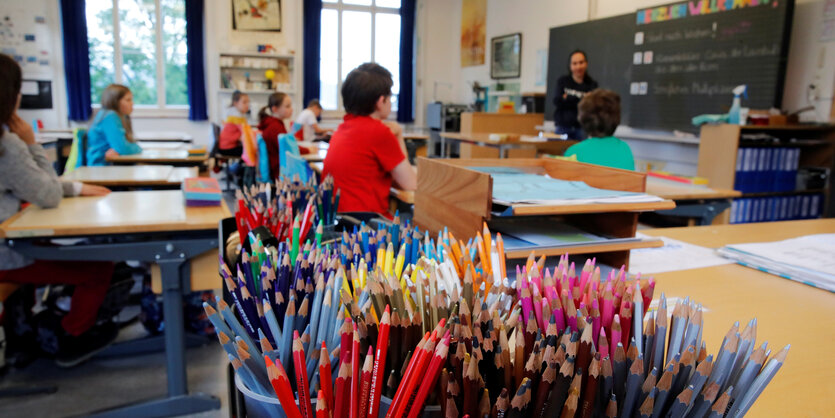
(221, 160)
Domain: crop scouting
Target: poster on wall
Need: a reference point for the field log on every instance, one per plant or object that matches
(473, 35)
(260, 15)
(506, 56)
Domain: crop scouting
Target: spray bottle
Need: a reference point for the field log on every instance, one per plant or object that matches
(733, 115)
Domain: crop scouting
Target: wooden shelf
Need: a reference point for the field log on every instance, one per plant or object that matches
(811, 127)
(450, 194)
(793, 192)
(255, 54)
(526, 209)
(586, 249)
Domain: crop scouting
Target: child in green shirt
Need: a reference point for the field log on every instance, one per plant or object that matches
(599, 116)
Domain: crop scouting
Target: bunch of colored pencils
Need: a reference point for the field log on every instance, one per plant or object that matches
(287, 206)
(365, 245)
(550, 344)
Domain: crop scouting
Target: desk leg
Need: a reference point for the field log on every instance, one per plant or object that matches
(178, 401)
(502, 151)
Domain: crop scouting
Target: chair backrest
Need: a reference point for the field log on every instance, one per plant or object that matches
(295, 166)
(78, 151)
(216, 137)
(287, 145)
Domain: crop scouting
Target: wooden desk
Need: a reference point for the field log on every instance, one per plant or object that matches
(697, 203)
(150, 226)
(787, 313)
(163, 136)
(508, 146)
(318, 151)
(160, 156)
(132, 175)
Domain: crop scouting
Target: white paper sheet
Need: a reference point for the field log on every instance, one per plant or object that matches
(675, 255)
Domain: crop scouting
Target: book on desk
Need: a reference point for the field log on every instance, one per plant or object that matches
(202, 191)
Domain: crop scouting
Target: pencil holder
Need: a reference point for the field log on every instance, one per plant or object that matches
(260, 406)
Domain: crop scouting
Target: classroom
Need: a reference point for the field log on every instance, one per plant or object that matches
(417, 208)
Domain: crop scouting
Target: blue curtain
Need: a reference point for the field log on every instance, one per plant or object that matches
(312, 27)
(405, 102)
(76, 59)
(195, 76)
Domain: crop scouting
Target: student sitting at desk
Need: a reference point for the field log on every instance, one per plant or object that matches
(111, 132)
(365, 156)
(599, 116)
(235, 115)
(27, 175)
(308, 120)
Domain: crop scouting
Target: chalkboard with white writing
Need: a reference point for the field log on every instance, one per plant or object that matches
(672, 62)
(688, 57)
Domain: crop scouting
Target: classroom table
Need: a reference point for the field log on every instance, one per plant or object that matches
(132, 175)
(178, 157)
(150, 226)
(515, 141)
(697, 203)
(787, 312)
(318, 151)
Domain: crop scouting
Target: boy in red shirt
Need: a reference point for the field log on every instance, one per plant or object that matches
(365, 156)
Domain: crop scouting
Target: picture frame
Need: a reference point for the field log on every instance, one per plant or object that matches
(262, 15)
(506, 56)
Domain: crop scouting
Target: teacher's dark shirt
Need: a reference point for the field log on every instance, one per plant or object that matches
(566, 98)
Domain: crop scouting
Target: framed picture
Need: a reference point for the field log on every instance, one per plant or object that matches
(506, 57)
(260, 15)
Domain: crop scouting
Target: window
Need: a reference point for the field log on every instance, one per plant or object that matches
(354, 32)
(141, 44)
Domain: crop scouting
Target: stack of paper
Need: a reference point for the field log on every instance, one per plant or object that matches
(511, 185)
(809, 259)
(519, 234)
(201, 191)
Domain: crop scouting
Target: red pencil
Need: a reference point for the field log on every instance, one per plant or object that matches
(432, 374)
(321, 406)
(409, 371)
(300, 368)
(408, 387)
(281, 386)
(365, 382)
(355, 372)
(379, 364)
(343, 388)
(325, 375)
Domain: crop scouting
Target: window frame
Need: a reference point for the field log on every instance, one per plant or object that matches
(161, 109)
(340, 6)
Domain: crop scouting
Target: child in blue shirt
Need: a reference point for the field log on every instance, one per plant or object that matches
(111, 132)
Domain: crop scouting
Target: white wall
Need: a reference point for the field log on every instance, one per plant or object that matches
(439, 28)
(221, 38)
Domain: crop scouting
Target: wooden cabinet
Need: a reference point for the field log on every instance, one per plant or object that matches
(723, 155)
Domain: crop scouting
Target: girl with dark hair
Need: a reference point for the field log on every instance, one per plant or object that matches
(27, 175)
(570, 89)
(111, 131)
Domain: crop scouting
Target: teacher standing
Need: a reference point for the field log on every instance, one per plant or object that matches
(570, 90)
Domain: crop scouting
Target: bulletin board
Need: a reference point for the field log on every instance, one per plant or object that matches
(25, 36)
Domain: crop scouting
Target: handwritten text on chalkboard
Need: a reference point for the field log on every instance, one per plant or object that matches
(695, 8)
